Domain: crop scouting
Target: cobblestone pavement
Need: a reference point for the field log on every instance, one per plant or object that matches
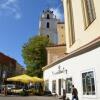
(28, 98)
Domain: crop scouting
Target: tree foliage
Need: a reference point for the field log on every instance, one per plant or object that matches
(34, 54)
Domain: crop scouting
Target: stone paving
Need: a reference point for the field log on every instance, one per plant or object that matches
(29, 98)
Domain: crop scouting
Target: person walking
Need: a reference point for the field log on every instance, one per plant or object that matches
(74, 93)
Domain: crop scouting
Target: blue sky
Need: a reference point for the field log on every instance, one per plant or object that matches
(19, 20)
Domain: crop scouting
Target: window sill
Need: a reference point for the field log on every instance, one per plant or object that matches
(89, 96)
(86, 27)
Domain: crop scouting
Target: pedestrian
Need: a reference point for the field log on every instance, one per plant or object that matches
(74, 93)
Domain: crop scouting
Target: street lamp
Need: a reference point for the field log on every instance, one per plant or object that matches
(4, 77)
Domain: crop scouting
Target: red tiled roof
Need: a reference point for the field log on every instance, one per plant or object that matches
(4, 58)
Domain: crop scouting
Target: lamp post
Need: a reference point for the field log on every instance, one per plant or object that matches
(4, 78)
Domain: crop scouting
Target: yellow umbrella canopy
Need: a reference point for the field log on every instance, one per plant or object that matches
(21, 78)
(12, 79)
(36, 79)
(25, 79)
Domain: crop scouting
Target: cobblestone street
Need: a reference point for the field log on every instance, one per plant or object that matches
(28, 98)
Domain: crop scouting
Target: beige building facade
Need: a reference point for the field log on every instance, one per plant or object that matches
(82, 22)
(55, 52)
(81, 65)
(61, 33)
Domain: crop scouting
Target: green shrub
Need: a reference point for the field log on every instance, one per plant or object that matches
(23, 93)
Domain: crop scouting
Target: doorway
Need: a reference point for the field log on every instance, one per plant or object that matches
(59, 86)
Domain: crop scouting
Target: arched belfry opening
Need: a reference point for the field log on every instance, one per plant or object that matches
(48, 16)
(48, 25)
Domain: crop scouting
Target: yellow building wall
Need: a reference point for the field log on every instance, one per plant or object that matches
(55, 53)
(61, 33)
(82, 35)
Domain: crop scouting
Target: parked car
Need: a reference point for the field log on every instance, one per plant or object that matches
(10, 87)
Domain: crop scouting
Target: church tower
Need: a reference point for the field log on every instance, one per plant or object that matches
(48, 25)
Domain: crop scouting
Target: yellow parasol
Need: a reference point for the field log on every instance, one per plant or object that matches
(21, 78)
(36, 79)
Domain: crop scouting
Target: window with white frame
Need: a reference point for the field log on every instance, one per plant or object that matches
(70, 22)
(88, 83)
(89, 12)
(69, 85)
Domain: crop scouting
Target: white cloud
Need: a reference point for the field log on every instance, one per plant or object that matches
(10, 7)
(57, 12)
(18, 16)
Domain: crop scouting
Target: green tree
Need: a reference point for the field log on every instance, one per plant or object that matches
(34, 54)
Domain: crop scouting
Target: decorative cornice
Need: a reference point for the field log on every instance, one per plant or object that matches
(86, 48)
(59, 45)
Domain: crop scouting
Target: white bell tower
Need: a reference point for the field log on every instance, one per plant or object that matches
(48, 25)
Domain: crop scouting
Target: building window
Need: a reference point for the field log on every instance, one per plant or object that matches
(46, 85)
(89, 12)
(88, 83)
(48, 17)
(70, 23)
(54, 86)
(69, 85)
(48, 24)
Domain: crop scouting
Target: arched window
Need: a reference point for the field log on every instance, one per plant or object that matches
(48, 17)
(48, 24)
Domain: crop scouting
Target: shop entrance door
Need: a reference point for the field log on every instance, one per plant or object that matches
(59, 88)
